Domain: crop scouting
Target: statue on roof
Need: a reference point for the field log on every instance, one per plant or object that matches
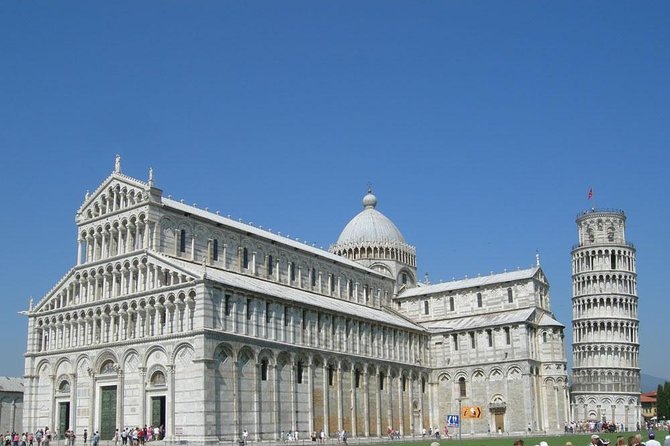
(151, 177)
(117, 163)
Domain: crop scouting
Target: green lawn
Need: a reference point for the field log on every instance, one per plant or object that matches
(508, 440)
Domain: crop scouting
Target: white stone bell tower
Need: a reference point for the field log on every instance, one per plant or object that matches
(605, 343)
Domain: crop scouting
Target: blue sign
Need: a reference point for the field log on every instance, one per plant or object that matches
(453, 420)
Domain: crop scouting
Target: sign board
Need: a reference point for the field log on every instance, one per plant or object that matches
(452, 420)
(473, 412)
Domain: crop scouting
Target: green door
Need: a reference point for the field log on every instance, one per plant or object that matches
(63, 418)
(158, 411)
(107, 412)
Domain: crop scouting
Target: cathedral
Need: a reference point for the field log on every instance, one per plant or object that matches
(176, 316)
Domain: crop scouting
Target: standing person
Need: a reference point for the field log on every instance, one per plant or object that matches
(95, 441)
(85, 436)
(116, 437)
(245, 435)
(124, 437)
(652, 440)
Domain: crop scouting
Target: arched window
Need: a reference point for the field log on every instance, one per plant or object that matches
(215, 250)
(451, 303)
(426, 307)
(107, 367)
(157, 378)
(544, 337)
(245, 258)
(299, 370)
(291, 266)
(479, 300)
(510, 296)
(264, 370)
(271, 266)
(64, 386)
(461, 387)
(182, 240)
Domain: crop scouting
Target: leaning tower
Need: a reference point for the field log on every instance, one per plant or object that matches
(605, 343)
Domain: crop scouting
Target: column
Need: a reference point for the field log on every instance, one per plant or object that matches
(257, 401)
(275, 389)
(352, 383)
(310, 396)
(366, 401)
(378, 397)
(400, 406)
(294, 394)
(119, 396)
(143, 395)
(339, 397)
(326, 398)
(169, 428)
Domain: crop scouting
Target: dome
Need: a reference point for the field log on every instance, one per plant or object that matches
(370, 225)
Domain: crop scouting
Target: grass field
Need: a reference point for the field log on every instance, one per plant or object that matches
(508, 440)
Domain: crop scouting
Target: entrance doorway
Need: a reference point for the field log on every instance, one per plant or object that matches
(158, 411)
(63, 418)
(107, 411)
(500, 422)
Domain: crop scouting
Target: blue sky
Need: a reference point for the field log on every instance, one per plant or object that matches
(481, 126)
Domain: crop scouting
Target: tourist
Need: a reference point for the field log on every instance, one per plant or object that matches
(95, 440)
(518, 442)
(652, 440)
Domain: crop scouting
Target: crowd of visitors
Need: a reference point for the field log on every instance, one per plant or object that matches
(43, 437)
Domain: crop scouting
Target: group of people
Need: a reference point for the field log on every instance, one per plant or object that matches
(320, 436)
(138, 435)
(575, 427)
(42, 437)
(633, 440)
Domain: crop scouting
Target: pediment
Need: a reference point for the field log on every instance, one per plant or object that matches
(539, 276)
(65, 292)
(116, 193)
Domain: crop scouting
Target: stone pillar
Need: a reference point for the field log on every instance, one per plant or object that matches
(378, 398)
(339, 397)
(366, 400)
(275, 389)
(257, 402)
(92, 400)
(143, 395)
(310, 394)
(326, 399)
(400, 406)
(119, 395)
(352, 383)
(169, 429)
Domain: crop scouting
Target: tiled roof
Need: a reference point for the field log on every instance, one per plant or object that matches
(11, 384)
(470, 283)
(484, 320)
(268, 288)
(168, 202)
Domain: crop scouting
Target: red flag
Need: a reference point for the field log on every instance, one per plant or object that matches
(590, 193)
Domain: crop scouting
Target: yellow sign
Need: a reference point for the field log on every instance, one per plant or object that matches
(471, 412)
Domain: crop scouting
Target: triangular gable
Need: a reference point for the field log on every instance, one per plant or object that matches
(100, 201)
(49, 298)
(56, 297)
(540, 276)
